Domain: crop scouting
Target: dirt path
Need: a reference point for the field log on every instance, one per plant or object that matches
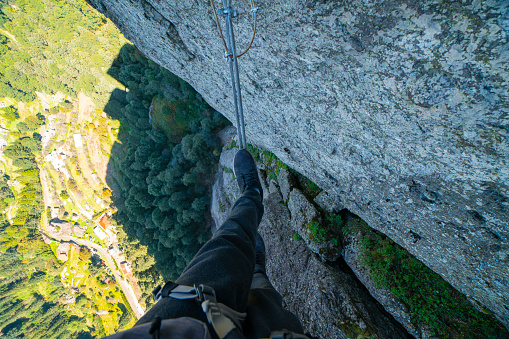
(10, 36)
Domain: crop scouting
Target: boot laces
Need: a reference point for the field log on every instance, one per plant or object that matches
(250, 179)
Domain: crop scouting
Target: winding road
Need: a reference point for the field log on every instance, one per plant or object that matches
(112, 264)
(126, 288)
(124, 285)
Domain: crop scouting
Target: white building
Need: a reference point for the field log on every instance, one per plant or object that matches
(49, 131)
(78, 142)
(96, 179)
(54, 212)
(65, 172)
(57, 158)
(100, 233)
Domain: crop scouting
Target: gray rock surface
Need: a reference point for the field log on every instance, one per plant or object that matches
(225, 189)
(273, 187)
(227, 134)
(303, 215)
(286, 182)
(328, 203)
(399, 108)
(303, 212)
(329, 302)
(386, 298)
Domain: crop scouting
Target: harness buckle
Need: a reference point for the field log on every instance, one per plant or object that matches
(204, 293)
(206, 296)
(156, 293)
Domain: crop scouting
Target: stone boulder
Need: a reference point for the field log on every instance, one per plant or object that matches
(328, 202)
(307, 222)
(225, 189)
(286, 183)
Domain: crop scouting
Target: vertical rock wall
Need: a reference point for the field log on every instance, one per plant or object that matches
(397, 108)
(328, 300)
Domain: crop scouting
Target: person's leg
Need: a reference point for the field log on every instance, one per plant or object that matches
(265, 312)
(225, 263)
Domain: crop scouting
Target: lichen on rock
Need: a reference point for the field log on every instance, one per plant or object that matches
(398, 108)
(308, 222)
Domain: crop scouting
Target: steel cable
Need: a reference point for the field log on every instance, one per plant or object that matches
(254, 9)
(231, 55)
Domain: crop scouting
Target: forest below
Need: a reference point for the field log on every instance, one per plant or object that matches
(166, 165)
(162, 165)
(50, 46)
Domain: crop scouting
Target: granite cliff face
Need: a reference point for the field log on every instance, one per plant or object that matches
(398, 109)
(326, 297)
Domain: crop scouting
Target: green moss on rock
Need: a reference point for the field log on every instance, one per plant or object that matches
(431, 300)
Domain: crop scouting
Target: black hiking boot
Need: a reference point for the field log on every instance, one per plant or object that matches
(244, 167)
(259, 255)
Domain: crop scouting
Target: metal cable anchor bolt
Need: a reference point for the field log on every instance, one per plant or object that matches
(228, 11)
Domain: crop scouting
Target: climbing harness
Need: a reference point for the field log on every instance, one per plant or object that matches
(222, 318)
(228, 13)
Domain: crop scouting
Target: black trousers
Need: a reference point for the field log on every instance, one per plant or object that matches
(226, 263)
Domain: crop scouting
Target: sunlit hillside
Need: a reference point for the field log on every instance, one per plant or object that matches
(53, 45)
(107, 162)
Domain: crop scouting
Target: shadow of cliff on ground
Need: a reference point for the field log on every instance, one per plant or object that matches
(398, 110)
(161, 168)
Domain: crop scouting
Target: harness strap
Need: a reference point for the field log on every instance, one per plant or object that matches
(287, 335)
(222, 318)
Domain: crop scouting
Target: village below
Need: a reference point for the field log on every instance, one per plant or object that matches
(383, 196)
(76, 141)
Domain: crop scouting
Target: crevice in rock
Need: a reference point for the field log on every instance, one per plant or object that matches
(341, 265)
(172, 33)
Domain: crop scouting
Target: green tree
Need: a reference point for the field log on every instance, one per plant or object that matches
(85, 254)
(72, 184)
(9, 113)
